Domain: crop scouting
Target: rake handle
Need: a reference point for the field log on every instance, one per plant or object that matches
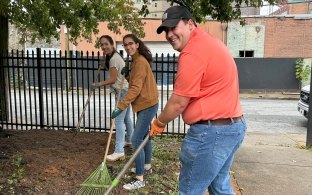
(87, 102)
(83, 111)
(127, 165)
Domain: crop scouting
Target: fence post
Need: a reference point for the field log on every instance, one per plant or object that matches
(41, 109)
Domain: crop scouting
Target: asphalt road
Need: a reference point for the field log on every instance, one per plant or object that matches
(266, 115)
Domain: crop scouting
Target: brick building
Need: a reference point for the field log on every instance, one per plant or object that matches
(273, 36)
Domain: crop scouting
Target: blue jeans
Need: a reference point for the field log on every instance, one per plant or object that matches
(123, 124)
(206, 156)
(141, 130)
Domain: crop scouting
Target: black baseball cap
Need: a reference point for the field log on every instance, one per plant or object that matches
(172, 16)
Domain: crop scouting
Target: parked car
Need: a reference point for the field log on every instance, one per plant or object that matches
(303, 103)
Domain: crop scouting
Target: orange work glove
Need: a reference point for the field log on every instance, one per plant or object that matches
(157, 127)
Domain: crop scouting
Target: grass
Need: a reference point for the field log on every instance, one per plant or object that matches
(301, 146)
(165, 165)
(16, 175)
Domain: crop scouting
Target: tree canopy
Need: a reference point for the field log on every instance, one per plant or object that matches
(42, 19)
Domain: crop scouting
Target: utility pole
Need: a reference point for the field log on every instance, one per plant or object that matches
(68, 65)
(309, 129)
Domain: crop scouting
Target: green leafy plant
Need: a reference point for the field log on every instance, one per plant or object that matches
(17, 174)
(302, 71)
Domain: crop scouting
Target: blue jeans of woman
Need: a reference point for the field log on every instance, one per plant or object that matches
(124, 125)
(141, 130)
(206, 156)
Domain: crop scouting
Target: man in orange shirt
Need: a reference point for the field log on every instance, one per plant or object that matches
(206, 93)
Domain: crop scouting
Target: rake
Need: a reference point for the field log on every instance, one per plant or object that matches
(116, 180)
(100, 180)
(76, 130)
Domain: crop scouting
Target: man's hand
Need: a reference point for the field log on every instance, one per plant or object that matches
(116, 112)
(157, 127)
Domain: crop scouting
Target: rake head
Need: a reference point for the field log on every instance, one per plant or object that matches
(97, 183)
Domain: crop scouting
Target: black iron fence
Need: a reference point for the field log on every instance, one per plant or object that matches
(49, 90)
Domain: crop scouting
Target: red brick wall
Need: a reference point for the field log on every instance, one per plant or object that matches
(286, 37)
(300, 8)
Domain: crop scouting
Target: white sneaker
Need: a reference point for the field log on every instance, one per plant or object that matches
(115, 156)
(135, 184)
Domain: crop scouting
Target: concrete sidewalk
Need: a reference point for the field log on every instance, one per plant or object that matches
(273, 164)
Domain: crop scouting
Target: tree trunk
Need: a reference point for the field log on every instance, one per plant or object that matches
(4, 45)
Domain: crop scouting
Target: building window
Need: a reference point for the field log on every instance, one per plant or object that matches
(155, 4)
(246, 53)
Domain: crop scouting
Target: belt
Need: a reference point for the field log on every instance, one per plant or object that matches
(221, 121)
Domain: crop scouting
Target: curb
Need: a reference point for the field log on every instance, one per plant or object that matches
(288, 96)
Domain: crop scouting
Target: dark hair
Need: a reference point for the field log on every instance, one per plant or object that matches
(186, 21)
(143, 50)
(111, 41)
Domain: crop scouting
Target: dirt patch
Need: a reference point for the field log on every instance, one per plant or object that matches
(57, 162)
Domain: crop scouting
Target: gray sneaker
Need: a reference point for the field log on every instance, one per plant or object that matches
(135, 184)
(146, 171)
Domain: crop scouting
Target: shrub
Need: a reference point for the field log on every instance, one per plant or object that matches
(302, 71)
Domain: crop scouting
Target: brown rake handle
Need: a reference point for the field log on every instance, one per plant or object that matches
(113, 121)
(127, 165)
(87, 102)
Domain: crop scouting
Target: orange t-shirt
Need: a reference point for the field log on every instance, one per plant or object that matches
(207, 73)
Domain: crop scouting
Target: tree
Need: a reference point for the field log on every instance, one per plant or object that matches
(42, 19)
(4, 43)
